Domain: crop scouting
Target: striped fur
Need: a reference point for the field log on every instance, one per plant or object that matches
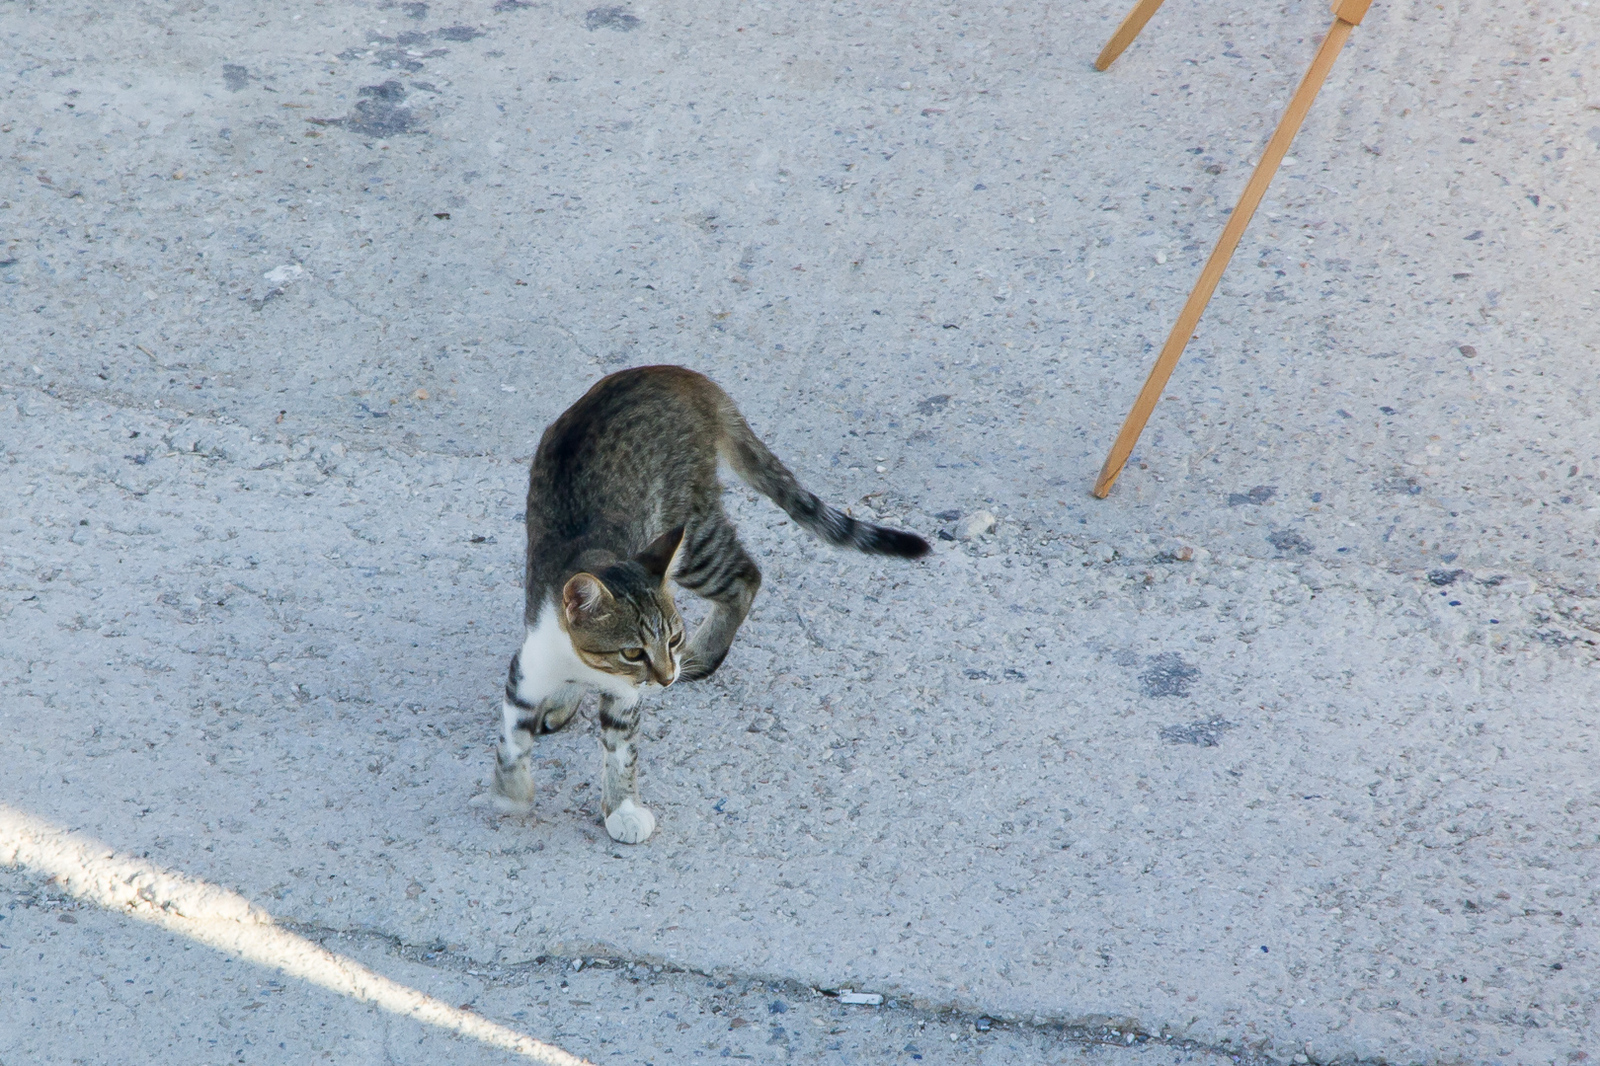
(763, 471)
(622, 492)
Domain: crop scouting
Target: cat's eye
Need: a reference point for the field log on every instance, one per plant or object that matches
(633, 655)
(677, 638)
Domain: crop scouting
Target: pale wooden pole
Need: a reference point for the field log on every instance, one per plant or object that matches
(1347, 14)
(1131, 25)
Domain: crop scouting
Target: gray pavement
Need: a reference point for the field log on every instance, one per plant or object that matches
(147, 997)
(1285, 750)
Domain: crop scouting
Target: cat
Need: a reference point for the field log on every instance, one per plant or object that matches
(622, 495)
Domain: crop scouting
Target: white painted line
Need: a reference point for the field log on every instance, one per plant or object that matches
(218, 918)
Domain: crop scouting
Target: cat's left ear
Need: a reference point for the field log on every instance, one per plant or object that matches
(657, 558)
(585, 599)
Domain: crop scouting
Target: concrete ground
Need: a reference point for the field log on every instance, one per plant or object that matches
(1286, 749)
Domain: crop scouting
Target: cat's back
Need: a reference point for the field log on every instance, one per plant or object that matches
(664, 410)
(638, 447)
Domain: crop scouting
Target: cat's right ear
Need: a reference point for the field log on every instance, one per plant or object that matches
(657, 558)
(585, 600)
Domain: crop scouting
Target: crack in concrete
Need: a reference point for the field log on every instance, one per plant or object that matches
(1081, 1033)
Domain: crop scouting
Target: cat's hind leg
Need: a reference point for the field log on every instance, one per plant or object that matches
(718, 569)
(627, 820)
(524, 714)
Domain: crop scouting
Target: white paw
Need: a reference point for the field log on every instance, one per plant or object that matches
(630, 823)
(507, 805)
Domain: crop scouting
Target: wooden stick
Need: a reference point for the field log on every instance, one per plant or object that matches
(1131, 25)
(1347, 13)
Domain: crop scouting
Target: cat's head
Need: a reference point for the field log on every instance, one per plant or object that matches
(622, 620)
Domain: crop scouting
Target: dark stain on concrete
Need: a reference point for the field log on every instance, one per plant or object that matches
(381, 112)
(1167, 675)
(610, 18)
(1204, 733)
(1289, 542)
(389, 91)
(1258, 495)
(1401, 484)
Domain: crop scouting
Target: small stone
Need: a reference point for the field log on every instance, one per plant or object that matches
(1175, 552)
(972, 526)
(1469, 351)
(283, 274)
(860, 999)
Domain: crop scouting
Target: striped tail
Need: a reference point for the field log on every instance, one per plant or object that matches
(765, 473)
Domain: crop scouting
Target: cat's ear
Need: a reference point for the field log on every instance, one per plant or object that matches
(658, 556)
(585, 599)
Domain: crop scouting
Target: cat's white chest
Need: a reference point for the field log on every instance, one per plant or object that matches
(549, 663)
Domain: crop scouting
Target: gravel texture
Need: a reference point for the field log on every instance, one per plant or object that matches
(1285, 749)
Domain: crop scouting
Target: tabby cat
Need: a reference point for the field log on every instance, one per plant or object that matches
(624, 494)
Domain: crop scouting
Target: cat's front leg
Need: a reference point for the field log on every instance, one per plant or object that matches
(513, 788)
(526, 712)
(627, 820)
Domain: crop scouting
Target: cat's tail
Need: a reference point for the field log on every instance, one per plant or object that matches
(765, 473)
